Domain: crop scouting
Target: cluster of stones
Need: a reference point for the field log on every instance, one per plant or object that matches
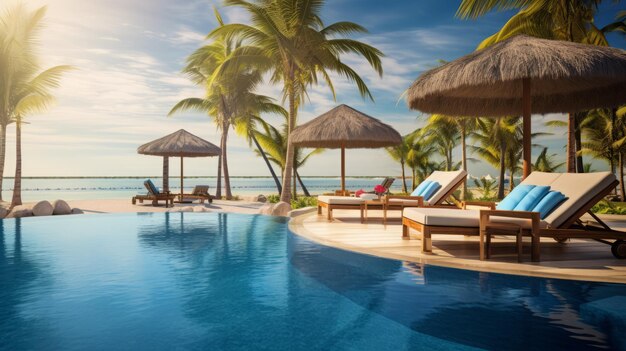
(41, 208)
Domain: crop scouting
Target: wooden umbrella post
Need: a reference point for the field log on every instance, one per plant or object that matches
(343, 169)
(166, 174)
(181, 179)
(527, 130)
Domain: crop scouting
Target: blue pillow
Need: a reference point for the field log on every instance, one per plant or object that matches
(420, 188)
(514, 197)
(532, 198)
(430, 190)
(549, 203)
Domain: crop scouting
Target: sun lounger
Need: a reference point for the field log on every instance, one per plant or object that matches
(200, 192)
(581, 190)
(154, 195)
(448, 182)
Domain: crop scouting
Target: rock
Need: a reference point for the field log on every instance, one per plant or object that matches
(61, 208)
(281, 209)
(77, 211)
(261, 198)
(266, 209)
(43, 208)
(20, 211)
(301, 211)
(186, 209)
(201, 209)
(4, 212)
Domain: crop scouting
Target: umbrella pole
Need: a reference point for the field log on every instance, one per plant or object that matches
(166, 172)
(181, 179)
(527, 130)
(343, 170)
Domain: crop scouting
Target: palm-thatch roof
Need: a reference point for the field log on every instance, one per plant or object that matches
(564, 76)
(346, 127)
(180, 144)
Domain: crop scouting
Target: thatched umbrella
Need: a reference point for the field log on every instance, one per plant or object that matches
(344, 127)
(522, 75)
(178, 144)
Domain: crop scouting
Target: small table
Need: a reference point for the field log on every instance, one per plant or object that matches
(377, 203)
(500, 228)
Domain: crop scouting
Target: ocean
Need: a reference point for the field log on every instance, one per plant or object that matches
(82, 188)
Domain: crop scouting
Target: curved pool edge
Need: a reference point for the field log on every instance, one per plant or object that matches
(297, 227)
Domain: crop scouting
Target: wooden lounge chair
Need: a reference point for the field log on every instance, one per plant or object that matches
(200, 192)
(449, 182)
(154, 195)
(582, 192)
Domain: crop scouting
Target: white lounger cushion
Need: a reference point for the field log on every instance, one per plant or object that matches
(447, 180)
(444, 217)
(579, 188)
(340, 200)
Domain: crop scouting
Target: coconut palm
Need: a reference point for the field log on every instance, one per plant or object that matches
(418, 157)
(485, 187)
(400, 153)
(274, 142)
(546, 163)
(570, 20)
(24, 89)
(444, 135)
(290, 40)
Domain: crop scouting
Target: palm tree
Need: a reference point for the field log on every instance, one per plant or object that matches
(274, 142)
(485, 187)
(444, 134)
(230, 97)
(570, 20)
(546, 163)
(290, 40)
(24, 90)
(400, 153)
(419, 156)
(496, 137)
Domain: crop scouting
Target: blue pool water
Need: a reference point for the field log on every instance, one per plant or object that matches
(198, 281)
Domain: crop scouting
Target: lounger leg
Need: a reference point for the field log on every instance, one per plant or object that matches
(535, 249)
(482, 245)
(519, 245)
(488, 246)
(405, 232)
(329, 213)
(134, 200)
(427, 242)
(362, 218)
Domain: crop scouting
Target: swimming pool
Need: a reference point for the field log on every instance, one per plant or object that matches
(240, 282)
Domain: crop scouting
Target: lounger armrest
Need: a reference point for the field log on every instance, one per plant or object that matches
(419, 199)
(490, 204)
(535, 217)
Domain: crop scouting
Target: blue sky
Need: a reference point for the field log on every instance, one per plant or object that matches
(128, 56)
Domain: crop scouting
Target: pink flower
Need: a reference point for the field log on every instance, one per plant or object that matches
(359, 192)
(379, 189)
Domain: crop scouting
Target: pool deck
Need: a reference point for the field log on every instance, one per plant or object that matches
(577, 259)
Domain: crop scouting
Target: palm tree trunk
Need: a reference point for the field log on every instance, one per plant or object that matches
(511, 177)
(304, 189)
(571, 143)
(229, 194)
(404, 190)
(413, 181)
(17, 186)
(3, 148)
(463, 161)
(286, 193)
(218, 187)
(267, 162)
(502, 171)
(295, 184)
(622, 187)
(580, 166)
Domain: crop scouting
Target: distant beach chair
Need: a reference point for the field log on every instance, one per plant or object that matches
(557, 217)
(200, 192)
(154, 195)
(443, 185)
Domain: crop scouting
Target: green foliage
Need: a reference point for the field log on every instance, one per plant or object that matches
(487, 188)
(304, 201)
(273, 198)
(607, 207)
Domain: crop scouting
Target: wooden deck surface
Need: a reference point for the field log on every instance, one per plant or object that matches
(576, 259)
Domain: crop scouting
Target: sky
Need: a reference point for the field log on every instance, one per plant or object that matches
(128, 56)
